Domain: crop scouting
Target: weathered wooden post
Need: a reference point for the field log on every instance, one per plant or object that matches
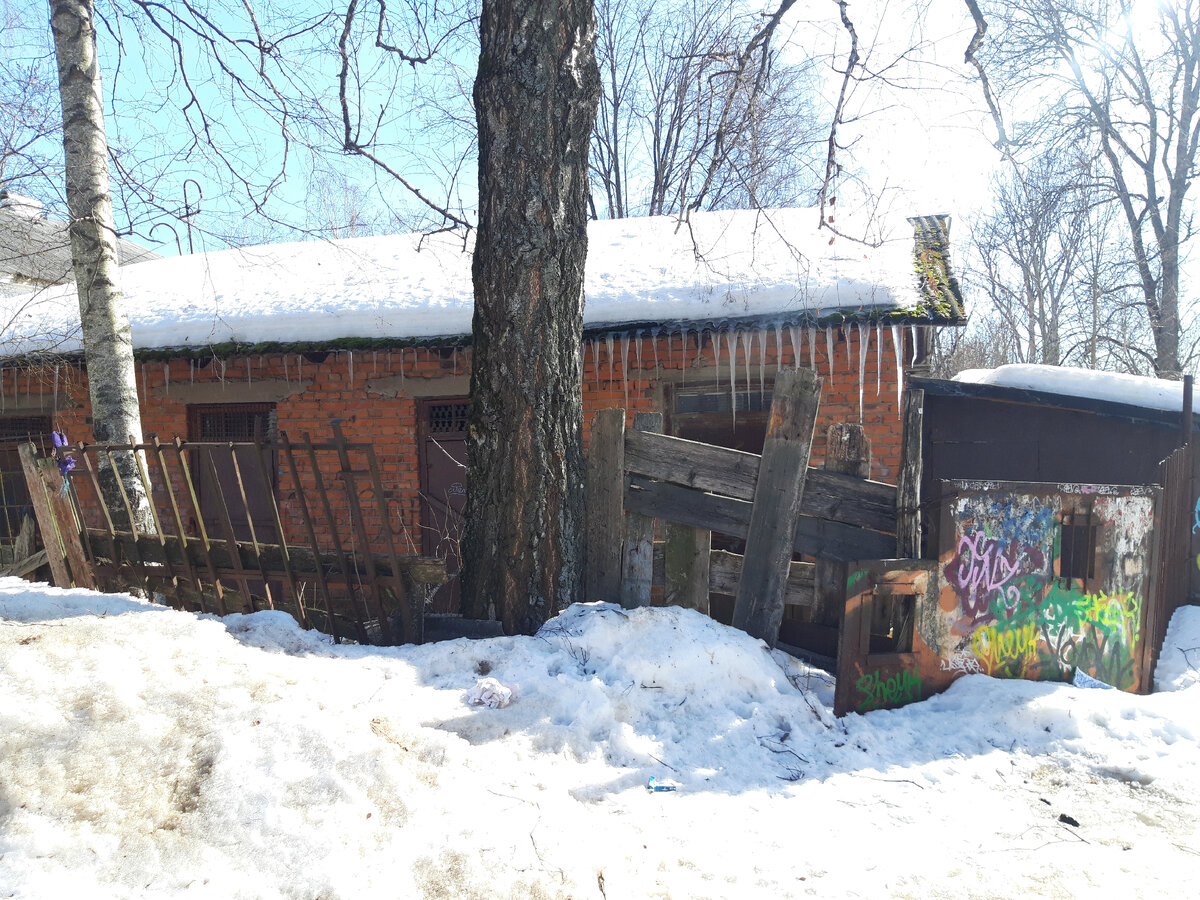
(908, 487)
(778, 495)
(56, 520)
(605, 506)
(637, 556)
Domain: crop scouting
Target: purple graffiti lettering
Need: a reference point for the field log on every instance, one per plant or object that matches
(980, 569)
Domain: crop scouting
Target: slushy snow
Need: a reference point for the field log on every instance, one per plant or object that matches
(146, 752)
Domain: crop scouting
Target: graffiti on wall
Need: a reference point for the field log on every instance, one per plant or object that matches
(1013, 616)
(878, 691)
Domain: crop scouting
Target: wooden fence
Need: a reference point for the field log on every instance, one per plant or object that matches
(776, 503)
(306, 527)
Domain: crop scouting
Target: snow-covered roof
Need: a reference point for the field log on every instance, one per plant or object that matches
(767, 265)
(1134, 390)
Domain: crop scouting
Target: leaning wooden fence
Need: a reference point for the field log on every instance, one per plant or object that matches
(307, 527)
(776, 502)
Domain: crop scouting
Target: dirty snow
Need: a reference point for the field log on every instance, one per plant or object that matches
(151, 753)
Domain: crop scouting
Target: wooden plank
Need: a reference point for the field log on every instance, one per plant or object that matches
(605, 505)
(814, 537)
(637, 555)
(908, 488)
(725, 571)
(306, 518)
(68, 526)
(26, 565)
(45, 518)
(758, 609)
(733, 473)
(205, 544)
(686, 567)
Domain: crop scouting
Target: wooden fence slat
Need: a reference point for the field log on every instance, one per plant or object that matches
(847, 451)
(68, 526)
(758, 609)
(733, 473)
(687, 568)
(725, 571)
(814, 537)
(45, 518)
(908, 488)
(637, 555)
(306, 518)
(605, 505)
(205, 544)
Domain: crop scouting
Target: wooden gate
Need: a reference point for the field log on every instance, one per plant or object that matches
(331, 554)
(778, 503)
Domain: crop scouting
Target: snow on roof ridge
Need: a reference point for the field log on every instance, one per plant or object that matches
(1117, 387)
(718, 266)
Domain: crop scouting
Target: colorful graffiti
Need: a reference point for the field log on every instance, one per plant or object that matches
(1015, 618)
(1002, 544)
(879, 692)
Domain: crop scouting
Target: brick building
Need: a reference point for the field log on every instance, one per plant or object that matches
(374, 332)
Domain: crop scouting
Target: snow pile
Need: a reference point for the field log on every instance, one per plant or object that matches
(1179, 665)
(1136, 390)
(723, 265)
(152, 753)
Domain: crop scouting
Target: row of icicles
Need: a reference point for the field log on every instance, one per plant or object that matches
(754, 344)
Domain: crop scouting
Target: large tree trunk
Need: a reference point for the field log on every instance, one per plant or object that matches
(535, 102)
(107, 344)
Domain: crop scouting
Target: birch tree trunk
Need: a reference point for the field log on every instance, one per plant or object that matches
(107, 343)
(535, 102)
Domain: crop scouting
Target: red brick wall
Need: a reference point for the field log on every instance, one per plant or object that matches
(375, 393)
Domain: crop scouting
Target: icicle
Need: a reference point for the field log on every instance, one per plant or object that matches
(625, 366)
(608, 342)
(779, 346)
(350, 361)
(667, 332)
(402, 367)
(375, 362)
(166, 381)
(849, 353)
(29, 380)
(899, 368)
(683, 357)
(716, 345)
(829, 350)
(54, 406)
(222, 374)
(878, 358)
(864, 340)
(192, 370)
(654, 343)
(596, 363)
(454, 359)
(762, 362)
(812, 347)
(747, 340)
(249, 378)
(797, 344)
(915, 342)
(145, 384)
(286, 380)
(637, 343)
(731, 343)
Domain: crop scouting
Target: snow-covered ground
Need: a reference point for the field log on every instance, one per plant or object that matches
(147, 753)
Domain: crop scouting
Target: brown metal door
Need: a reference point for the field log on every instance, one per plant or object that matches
(235, 422)
(14, 493)
(443, 430)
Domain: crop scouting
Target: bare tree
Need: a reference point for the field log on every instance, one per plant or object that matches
(699, 111)
(107, 342)
(1121, 78)
(535, 98)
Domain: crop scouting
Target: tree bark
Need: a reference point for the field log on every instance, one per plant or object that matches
(107, 342)
(535, 102)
